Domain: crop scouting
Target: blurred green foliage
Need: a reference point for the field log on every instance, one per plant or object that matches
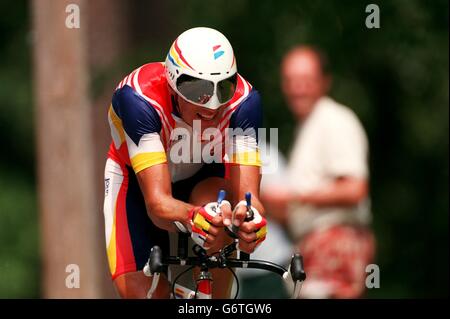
(19, 240)
(395, 78)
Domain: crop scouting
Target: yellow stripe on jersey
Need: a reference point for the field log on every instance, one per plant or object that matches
(117, 122)
(111, 251)
(145, 160)
(247, 158)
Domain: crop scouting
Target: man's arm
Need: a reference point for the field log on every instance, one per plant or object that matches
(245, 179)
(245, 169)
(244, 156)
(344, 191)
(162, 208)
(141, 127)
(345, 158)
(345, 150)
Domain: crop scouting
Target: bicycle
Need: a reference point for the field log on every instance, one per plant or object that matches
(157, 264)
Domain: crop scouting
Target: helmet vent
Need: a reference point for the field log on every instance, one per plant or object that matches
(215, 73)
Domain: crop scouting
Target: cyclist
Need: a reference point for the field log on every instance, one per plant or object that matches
(161, 113)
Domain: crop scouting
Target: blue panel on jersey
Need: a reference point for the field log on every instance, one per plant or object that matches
(249, 113)
(138, 116)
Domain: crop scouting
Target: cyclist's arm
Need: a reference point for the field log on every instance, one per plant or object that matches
(243, 152)
(162, 208)
(243, 179)
(245, 163)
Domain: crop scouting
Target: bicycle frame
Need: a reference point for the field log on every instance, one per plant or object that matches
(204, 285)
(203, 291)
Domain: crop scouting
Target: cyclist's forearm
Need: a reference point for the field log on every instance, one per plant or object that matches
(246, 179)
(162, 208)
(238, 195)
(258, 205)
(166, 210)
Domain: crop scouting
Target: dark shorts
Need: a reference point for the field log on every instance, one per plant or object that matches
(130, 233)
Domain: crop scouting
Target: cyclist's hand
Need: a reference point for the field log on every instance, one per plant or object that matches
(206, 223)
(251, 233)
(227, 213)
(240, 213)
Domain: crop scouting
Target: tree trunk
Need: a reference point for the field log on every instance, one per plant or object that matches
(67, 203)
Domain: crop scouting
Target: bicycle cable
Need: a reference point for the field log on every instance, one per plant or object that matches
(237, 282)
(196, 291)
(178, 277)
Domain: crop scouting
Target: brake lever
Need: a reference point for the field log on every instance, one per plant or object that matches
(297, 289)
(153, 269)
(155, 279)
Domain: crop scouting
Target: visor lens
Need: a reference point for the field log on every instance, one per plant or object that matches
(194, 89)
(226, 89)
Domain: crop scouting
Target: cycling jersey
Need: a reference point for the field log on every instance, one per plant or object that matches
(142, 122)
(144, 132)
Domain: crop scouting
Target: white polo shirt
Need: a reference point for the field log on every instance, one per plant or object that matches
(330, 143)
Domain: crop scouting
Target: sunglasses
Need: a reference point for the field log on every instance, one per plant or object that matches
(204, 92)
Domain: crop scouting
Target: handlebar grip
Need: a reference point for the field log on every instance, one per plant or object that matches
(155, 262)
(297, 271)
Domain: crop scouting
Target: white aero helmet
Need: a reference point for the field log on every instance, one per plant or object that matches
(201, 67)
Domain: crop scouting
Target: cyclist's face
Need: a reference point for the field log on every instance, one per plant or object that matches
(190, 112)
(303, 82)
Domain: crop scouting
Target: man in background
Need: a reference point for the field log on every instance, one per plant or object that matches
(326, 198)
